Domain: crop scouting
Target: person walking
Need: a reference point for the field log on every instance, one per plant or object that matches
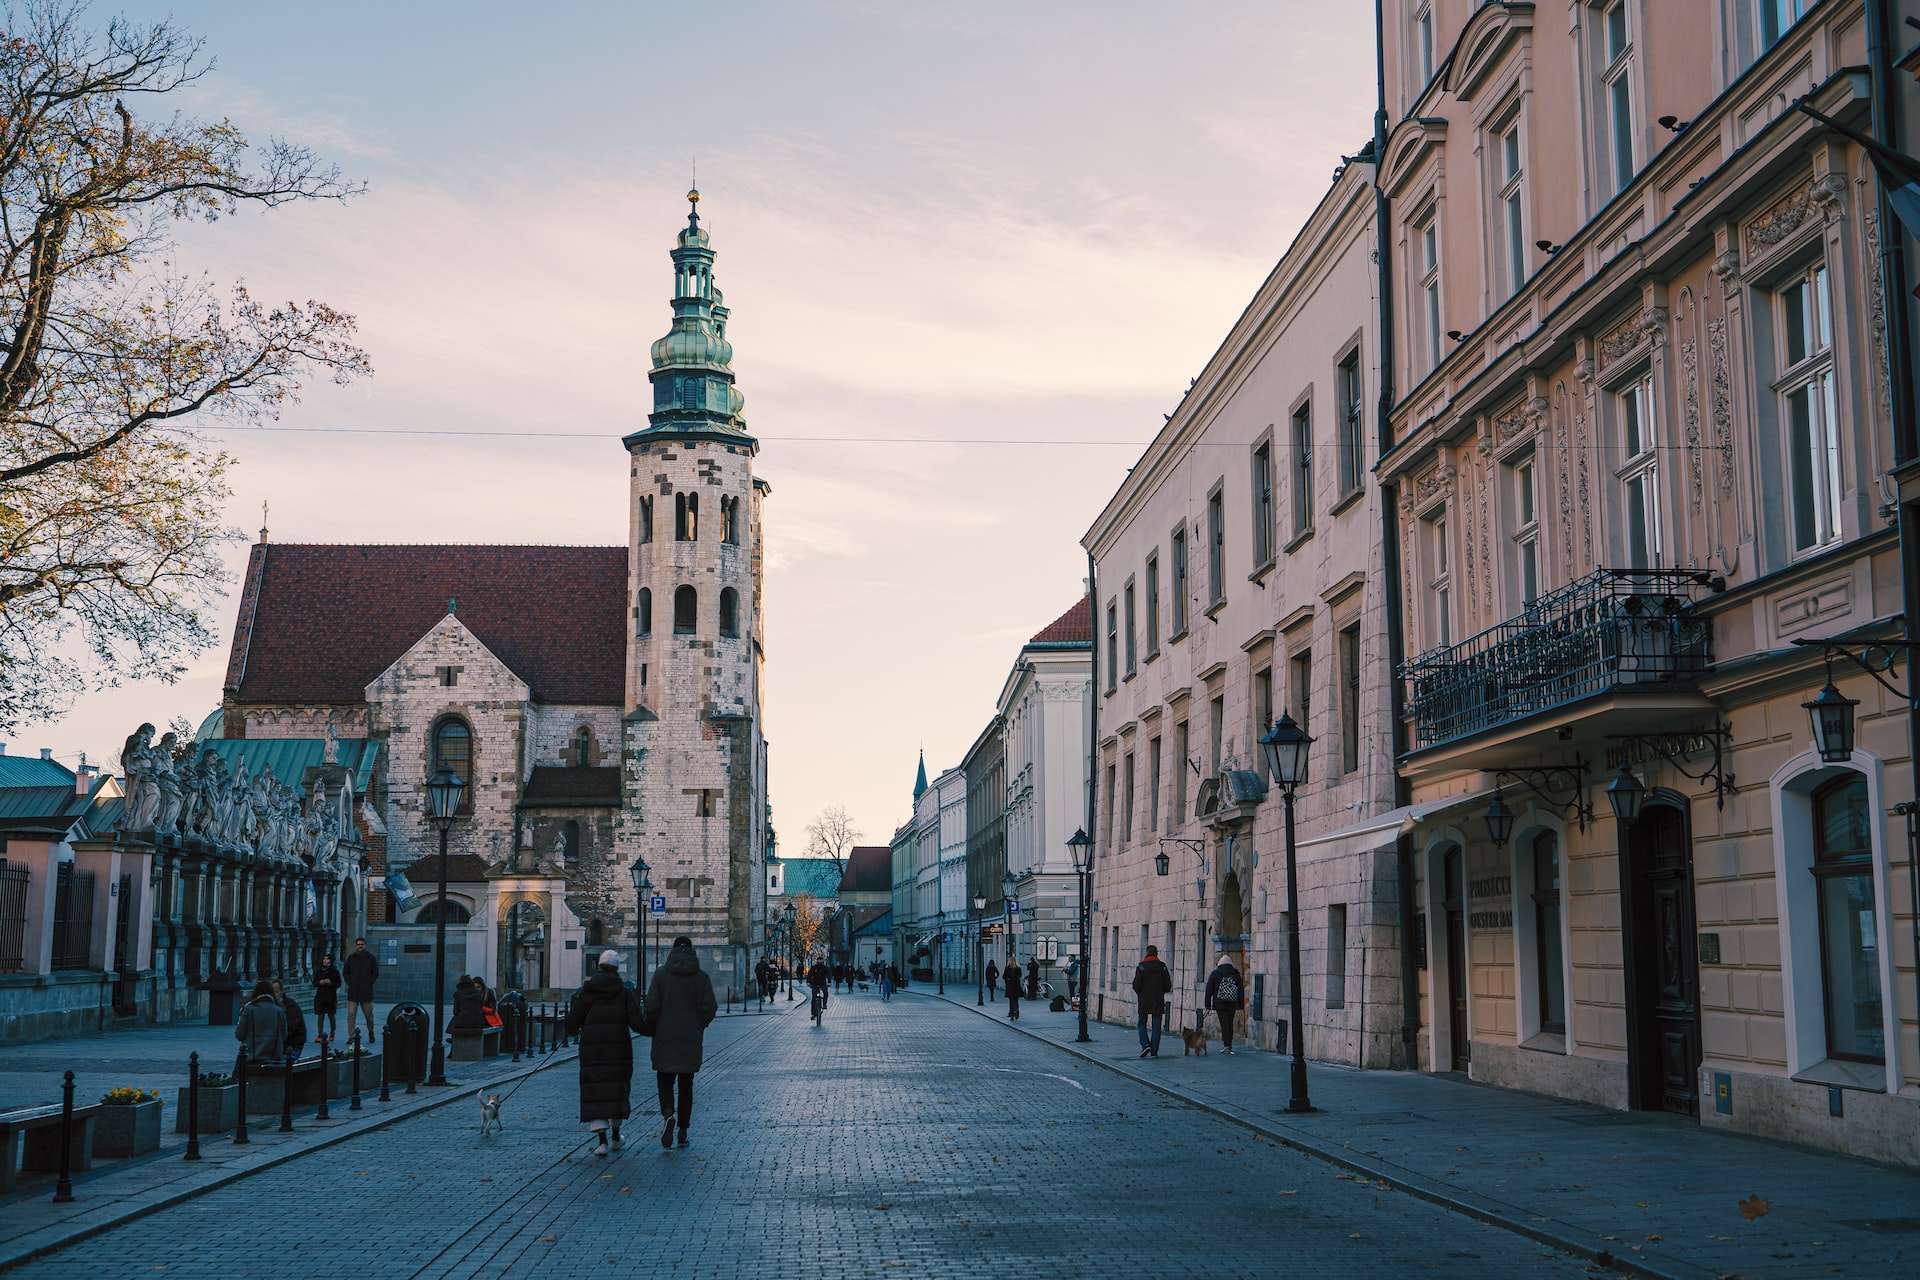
(993, 976)
(886, 981)
(602, 1013)
(1033, 979)
(1151, 983)
(296, 1022)
(362, 971)
(262, 1026)
(1012, 976)
(1073, 979)
(1226, 996)
(680, 1006)
(326, 996)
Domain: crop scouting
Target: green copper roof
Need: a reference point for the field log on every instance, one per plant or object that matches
(920, 783)
(692, 375)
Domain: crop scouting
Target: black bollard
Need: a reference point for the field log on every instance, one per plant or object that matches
(326, 1080)
(355, 1104)
(286, 1095)
(542, 1020)
(510, 1027)
(240, 1138)
(193, 1106)
(386, 1093)
(63, 1192)
(409, 1027)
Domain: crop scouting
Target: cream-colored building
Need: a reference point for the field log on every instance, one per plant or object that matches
(1640, 455)
(1238, 572)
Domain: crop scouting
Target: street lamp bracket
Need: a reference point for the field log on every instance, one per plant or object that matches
(1559, 786)
(1674, 748)
(1877, 658)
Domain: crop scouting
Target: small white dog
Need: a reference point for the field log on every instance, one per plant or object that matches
(490, 1114)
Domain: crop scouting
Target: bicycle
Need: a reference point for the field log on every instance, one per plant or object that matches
(817, 1005)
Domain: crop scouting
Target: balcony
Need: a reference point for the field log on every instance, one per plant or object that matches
(1615, 630)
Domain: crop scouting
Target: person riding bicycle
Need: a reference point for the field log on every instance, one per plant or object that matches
(819, 978)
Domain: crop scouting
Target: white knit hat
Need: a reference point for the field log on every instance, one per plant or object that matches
(610, 958)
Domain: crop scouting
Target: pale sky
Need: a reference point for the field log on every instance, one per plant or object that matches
(961, 221)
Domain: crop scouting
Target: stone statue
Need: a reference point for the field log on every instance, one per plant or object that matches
(211, 816)
(332, 753)
(139, 764)
(169, 786)
(237, 823)
(192, 789)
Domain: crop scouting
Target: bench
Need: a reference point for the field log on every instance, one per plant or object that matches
(267, 1084)
(472, 1044)
(30, 1140)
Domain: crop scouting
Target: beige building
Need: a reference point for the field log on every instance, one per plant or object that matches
(1239, 572)
(1640, 456)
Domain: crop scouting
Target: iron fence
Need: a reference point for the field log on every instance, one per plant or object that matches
(13, 917)
(1613, 629)
(72, 917)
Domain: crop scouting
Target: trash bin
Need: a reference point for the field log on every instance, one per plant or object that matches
(223, 991)
(407, 1032)
(513, 1022)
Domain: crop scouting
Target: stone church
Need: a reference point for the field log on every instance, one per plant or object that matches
(603, 703)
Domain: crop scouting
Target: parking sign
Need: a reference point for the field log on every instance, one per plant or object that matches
(658, 904)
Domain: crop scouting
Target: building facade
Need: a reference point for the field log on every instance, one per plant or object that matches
(1640, 470)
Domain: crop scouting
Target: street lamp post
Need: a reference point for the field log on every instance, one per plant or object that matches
(443, 801)
(1287, 751)
(790, 957)
(642, 890)
(1007, 887)
(1080, 845)
(979, 960)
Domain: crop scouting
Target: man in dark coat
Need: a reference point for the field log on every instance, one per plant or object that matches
(1012, 977)
(262, 1027)
(1151, 983)
(1033, 979)
(469, 1009)
(326, 996)
(993, 976)
(680, 1004)
(362, 972)
(603, 1011)
(296, 1021)
(1226, 995)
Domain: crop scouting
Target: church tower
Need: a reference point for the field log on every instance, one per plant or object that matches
(694, 753)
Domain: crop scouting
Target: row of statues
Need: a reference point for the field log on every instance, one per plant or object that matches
(169, 792)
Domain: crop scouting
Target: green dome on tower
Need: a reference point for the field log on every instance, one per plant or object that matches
(692, 374)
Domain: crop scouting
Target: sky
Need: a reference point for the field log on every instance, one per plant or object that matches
(937, 225)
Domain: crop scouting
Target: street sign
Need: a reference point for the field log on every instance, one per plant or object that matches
(657, 905)
(1013, 906)
(946, 936)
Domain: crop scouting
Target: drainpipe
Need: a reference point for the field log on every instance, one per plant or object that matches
(1390, 554)
(1093, 778)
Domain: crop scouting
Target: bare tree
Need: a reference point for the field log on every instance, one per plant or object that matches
(832, 836)
(110, 502)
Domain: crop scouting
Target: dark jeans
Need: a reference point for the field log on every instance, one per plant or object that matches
(1013, 1005)
(668, 1080)
(1150, 1039)
(1226, 1027)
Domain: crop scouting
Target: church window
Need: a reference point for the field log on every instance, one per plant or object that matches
(686, 611)
(686, 517)
(643, 613)
(582, 747)
(729, 612)
(447, 676)
(646, 519)
(596, 933)
(730, 520)
(570, 842)
(454, 912)
(453, 748)
(703, 803)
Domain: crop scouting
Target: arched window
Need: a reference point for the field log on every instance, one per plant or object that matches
(431, 913)
(582, 747)
(570, 840)
(729, 612)
(453, 748)
(730, 520)
(596, 933)
(645, 520)
(686, 611)
(1849, 941)
(686, 517)
(643, 613)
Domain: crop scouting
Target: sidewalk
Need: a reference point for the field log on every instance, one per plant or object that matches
(117, 1191)
(1650, 1193)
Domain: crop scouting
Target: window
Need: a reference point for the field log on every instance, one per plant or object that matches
(729, 612)
(1179, 552)
(1300, 686)
(453, 749)
(729, 519)
(686, 517)
(1216, 546)
(686, 611)
(645, 519)
(703, 803)
(1507, 200)
(1777, 18)
(1349, 658)
(1133, 663)
(1302, 469)
(1262, 712)
(1181, 748)
(1550, 979)
(447, 676)
(1426, 283)
(1849, 934)
(569, 843)
(1353, 417)
(1262, 503)
(1616, 93)
(1153, 605)
(1109, 793)
(1126, 803)
(1439, 583)
(1337, 956)
(1153, 784)
(1638, 476)
(442, 908)
(1810, 419)
(1113, 647)
(1423, 44)
(1526, 530)
(582, 747)
(643, 613)
(1217, 721)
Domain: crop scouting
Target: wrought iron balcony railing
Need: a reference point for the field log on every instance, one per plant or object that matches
(1613, 629)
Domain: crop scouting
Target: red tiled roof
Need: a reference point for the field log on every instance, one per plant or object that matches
(462, 868)
(1075, 626)
(869, 868)
(319, 623)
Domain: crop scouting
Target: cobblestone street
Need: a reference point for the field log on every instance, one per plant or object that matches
(908, 1138)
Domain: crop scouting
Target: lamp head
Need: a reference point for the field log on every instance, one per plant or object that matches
(1626, 795)
(1161, 862)
(1832, 716)
(443, 795)
(1286, 747)
(1499, 821)
(1080, 845)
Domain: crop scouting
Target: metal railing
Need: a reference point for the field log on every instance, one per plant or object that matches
(13, 917)
(72, 918)
(1613, 629)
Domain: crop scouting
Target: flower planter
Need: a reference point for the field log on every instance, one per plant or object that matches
(340, 1075)
(219, 1108)
(127, 1130)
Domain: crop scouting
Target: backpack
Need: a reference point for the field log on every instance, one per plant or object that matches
(1228, 993)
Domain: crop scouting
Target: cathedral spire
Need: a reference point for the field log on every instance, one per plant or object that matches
(920, 783)
(692, 374)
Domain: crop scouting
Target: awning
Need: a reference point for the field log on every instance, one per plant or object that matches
(1382, 830)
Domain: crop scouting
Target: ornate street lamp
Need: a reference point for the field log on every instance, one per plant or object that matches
(979, 960)
(1626, 795)
(642, 889)
(790, 958)
(1080, 845)
(1832, 716)
(1008, 886)
(1161, 863)
(1499, 820)
(443, 802)
(1287, 748)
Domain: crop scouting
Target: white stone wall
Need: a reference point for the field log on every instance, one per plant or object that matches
(550, 730)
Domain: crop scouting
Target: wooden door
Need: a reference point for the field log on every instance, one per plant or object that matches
(1454, 873)
(1664, 982)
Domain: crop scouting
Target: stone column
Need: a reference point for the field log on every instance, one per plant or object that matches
(102, 858)
(40, 856)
